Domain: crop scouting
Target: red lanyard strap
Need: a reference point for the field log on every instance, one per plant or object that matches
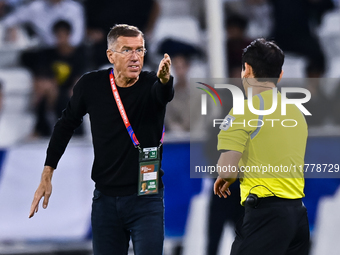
(124, 115)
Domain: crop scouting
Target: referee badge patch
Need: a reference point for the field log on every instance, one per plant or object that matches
(227, 122)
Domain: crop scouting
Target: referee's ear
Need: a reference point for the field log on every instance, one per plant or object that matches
(281, 74)
(248, 71)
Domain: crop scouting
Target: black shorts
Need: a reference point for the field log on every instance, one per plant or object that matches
(275, 226)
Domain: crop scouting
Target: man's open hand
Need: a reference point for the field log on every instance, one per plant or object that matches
(164, 69)
(44, 190)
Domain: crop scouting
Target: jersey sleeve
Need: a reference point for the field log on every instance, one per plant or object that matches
(235, 130)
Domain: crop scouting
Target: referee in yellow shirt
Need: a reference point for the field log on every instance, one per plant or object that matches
(268, 151)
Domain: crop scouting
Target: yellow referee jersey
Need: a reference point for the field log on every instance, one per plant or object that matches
(272, 146)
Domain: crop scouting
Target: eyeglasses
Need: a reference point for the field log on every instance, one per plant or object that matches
(128, 52)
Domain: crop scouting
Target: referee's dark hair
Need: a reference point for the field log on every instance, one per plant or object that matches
(265, 58)
(122, 30)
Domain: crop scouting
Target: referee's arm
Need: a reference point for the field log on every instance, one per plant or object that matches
(229, 162)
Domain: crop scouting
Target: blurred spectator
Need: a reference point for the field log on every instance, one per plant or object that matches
(101, 15)
(259, 14)
(236, 26)
(177, 116)
(39, 17)
(294, 25)
(55, 71)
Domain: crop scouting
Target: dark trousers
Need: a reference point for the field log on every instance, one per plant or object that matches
(221, 211)
(275, 227)
(116, 219)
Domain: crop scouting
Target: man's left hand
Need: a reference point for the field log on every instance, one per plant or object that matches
(221, 187)
(164, 69)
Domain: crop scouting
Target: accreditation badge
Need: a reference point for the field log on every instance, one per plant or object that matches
(149, 162)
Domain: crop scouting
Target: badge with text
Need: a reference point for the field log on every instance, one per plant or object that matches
(150, 153)
(149, 163)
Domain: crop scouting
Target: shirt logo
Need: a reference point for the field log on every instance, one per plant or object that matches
(226, 123)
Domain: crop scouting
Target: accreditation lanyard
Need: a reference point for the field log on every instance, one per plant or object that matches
(122, 111)
(124, 115)
(149, 158)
